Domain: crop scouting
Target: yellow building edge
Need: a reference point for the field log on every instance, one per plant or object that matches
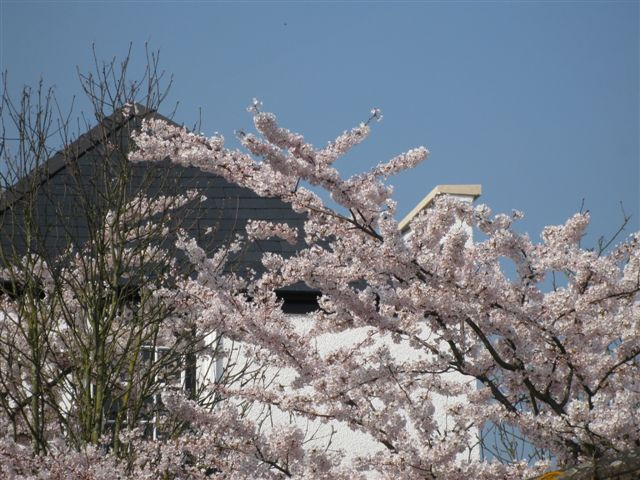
(473, 190)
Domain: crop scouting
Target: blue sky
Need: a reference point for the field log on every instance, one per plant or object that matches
(536, 101)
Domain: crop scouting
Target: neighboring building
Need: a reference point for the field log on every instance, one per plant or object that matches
(71, 180)
(465, 193)
(63, 201)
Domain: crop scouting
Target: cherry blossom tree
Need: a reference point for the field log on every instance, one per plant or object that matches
(559, 363)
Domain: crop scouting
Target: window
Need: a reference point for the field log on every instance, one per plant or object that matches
(158, 368)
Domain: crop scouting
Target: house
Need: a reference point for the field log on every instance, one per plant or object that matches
(63, 203)
(59, 213)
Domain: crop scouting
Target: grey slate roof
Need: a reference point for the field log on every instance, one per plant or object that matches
(69, 183)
